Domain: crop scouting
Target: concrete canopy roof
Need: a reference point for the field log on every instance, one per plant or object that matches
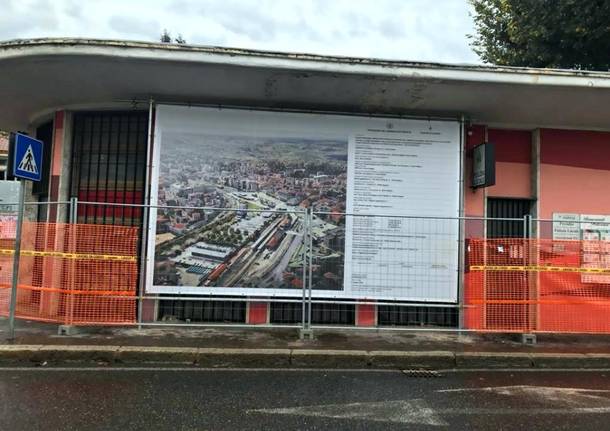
(40, 75)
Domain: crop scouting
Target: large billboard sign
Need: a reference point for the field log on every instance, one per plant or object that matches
(370, 182)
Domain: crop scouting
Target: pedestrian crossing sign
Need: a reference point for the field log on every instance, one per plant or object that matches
(27, 157)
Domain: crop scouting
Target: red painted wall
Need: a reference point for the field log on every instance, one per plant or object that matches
(574, 172)
(513, 163)
(512, 146)
(257, 313)
(513, 170)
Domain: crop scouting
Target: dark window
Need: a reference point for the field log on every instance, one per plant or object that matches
(109, 165)
(321, 314)
(44, 133)
(395, 315)
(503, 209)
(203, 311)
(345, 314)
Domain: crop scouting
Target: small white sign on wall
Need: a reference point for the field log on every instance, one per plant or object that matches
(566, 226)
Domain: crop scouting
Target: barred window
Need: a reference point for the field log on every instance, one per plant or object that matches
(109, 165)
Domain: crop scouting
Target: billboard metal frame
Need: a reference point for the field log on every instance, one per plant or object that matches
(152, 177)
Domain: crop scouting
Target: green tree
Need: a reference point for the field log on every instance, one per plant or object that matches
(166, 37)
(570, 34)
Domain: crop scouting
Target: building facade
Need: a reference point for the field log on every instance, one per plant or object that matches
(103, 110)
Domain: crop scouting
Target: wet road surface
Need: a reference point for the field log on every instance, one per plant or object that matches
(106, 398)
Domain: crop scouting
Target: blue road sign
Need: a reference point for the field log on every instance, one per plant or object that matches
(27, 158)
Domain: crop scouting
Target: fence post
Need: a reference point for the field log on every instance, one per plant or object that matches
(73, 210)
(533, 276)
(461, 272)
(309, 279)
(529, 251)
(15, 281)
(146, 214)
(144, 237)
(306, 331)
(525, 274)
(485, 258)
(72, 222)
(304, 279)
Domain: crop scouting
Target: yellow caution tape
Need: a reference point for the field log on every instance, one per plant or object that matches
(78, 256)
(539, 269)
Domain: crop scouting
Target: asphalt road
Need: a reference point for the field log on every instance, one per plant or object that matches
(45, 398)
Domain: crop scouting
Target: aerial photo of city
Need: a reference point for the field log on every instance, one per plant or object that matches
(268, 182)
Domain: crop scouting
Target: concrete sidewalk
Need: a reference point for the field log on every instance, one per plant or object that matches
(37, 343)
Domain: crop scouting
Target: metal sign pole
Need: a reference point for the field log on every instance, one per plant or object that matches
(13, 303)
(25, 163)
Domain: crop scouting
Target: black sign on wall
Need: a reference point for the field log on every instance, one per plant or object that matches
(484, 165)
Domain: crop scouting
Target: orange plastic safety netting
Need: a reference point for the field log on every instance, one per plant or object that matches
(528, 285)
(71, 273)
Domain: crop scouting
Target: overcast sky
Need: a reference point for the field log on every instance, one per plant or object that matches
(423, 30)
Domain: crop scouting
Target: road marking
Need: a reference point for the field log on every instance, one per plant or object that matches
(516, 412)
(414, 411)
(519, 389)
(569, 397)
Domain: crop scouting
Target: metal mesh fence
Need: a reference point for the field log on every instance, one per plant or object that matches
(254, 266)
(72, 273)
(537, 285)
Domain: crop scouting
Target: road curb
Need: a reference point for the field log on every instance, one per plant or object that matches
(244, 358)
(431, 360)
(137, 354)
(571, 360)
(311, 358)
(76, 353)
(20, 353)
(493, 360)
(298, 358)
